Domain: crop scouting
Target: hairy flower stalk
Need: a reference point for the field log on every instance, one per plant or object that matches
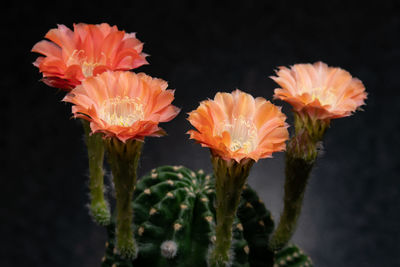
(99, 207)
(230, 177)
(301, 153)
(239, 130)
(123, 159)
(317, 93)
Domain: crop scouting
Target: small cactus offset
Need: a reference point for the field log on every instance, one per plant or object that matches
(175, 223)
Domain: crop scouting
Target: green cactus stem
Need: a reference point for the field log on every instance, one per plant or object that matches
(99, 208)
(175, 223)
(230, 178)
(123, 159)
(300, 157)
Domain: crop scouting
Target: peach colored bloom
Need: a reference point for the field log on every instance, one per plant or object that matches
(237, 126)
(320, 91)
(71, 56)
(123, 104)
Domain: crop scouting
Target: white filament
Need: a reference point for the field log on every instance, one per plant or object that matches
(324, 95)
(243, 134)
(121, 111)
(88, 65)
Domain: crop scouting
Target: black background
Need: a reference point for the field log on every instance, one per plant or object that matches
(351, 212)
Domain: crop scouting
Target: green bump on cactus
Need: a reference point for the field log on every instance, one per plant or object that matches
(292, 256)
(174, 222)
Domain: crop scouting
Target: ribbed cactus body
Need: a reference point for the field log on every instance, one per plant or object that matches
(174, 223)
(257, 227)
(173, 204)
(292, 256)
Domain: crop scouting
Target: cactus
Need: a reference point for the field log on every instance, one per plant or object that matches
(291, 256)
(174, 223)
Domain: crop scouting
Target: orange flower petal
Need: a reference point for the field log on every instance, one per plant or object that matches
(47, 48)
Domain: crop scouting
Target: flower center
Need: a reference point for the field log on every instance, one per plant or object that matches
(121, 111)
(324, 95)
(78, 58)
(87, 68)
(243, 134)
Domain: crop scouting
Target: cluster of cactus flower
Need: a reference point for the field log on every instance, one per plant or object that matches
(174, 216)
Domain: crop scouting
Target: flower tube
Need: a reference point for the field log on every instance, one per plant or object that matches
(318, 94)
(125, 107)
(239, 130)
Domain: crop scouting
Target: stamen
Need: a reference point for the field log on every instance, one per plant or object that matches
(87, 68)
(121, 111)
(324, 95)
(243, 134)
(78, 58)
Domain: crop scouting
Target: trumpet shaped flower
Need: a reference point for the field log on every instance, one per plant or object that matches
(123, 104)
(71, 56)
(319, 91)
(237, 126)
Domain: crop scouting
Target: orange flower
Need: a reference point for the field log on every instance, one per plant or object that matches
(320, 91)
(237, 126)
(88, 50)
(123, 104)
